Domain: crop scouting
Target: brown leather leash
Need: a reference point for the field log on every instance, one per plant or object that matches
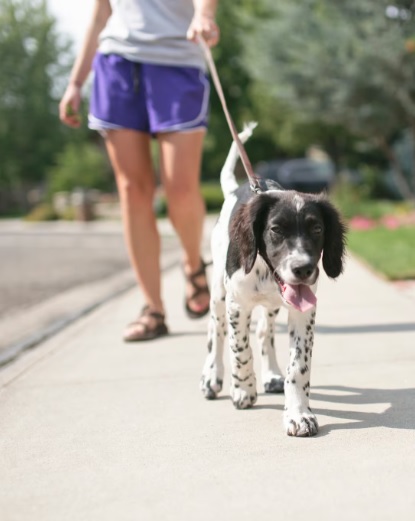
(253, 180)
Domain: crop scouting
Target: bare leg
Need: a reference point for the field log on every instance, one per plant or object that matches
(213, 370)
(180, 160)
(129, 152)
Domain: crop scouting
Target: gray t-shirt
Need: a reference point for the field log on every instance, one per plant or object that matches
(151, 31)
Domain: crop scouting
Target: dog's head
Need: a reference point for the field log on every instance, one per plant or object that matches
(290, 231)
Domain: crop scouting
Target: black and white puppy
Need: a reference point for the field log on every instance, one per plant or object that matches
(266, 248)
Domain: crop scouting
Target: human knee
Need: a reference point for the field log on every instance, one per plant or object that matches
(184, 207)
(180, 196)
(133, 188)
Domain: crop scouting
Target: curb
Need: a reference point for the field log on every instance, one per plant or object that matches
(11, 352)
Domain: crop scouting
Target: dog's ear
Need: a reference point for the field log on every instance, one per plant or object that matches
(247, 226)
(334, 248)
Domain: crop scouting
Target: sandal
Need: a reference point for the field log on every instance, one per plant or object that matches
(147, 331)
(198, 289)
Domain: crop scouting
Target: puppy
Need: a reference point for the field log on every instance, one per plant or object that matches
(266, 249)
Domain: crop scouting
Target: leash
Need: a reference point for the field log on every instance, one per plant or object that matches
(253, 180)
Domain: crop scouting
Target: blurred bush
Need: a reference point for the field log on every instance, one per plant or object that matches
(80, 165)
(213, 196)
(211, 193)
(42, 212)
(365, 198)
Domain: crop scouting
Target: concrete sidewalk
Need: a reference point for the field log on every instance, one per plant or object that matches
(93, 429)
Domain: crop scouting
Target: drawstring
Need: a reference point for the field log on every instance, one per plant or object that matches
(136, 76)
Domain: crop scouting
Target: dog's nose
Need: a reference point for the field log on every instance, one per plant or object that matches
(303, 271)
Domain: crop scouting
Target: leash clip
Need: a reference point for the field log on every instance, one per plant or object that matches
(255, 188)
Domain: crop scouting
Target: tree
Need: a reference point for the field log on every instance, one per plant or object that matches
(345, 64)
(80, 165)
(30, 68)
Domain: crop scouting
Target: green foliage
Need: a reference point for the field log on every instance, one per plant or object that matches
(359, 200)
(30, 67)
(326, 58)
(213, 196)
(80, 166)
(397, 260)
(341, 65)
(211, 193)
(42, 212)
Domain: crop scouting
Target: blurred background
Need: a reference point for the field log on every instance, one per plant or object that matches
(331, 84)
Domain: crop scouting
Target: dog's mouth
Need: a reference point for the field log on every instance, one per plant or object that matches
(299, 296)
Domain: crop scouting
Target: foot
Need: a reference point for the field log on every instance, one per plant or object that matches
(243, 393)
(148, 326)
(210, 387)
(243, 399)
(197, 292)
(300, 424)
(274, 385)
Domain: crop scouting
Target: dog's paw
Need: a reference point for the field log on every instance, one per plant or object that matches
(243, 398)
(300, 424)
(210, 387)
(274, 385)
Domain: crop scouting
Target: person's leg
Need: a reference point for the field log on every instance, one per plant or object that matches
(180, 159)
(129, 153)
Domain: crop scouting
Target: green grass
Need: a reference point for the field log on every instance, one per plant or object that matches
(391, 252)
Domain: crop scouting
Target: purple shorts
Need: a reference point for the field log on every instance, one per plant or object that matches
(145, 97)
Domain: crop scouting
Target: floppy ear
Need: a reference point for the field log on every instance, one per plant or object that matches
(334, 248)
(247, 226)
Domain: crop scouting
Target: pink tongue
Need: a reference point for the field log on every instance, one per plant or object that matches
(299, 296)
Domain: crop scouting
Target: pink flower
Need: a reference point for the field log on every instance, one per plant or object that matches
(391, 222)
(362, 223)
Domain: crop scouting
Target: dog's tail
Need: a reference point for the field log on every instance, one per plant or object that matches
(227, 176)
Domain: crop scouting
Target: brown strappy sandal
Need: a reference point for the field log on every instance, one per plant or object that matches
(146, 331)
(198, 289)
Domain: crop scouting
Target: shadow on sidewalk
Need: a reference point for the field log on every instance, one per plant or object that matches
(367, 328)
(402, 327)
(399, 415)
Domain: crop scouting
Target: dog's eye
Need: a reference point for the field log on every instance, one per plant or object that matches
(317, 229)
(276, 230)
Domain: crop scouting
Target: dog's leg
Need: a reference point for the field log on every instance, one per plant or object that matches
(298, 417)
(271, 374)
(212, 375)
(243, 382)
